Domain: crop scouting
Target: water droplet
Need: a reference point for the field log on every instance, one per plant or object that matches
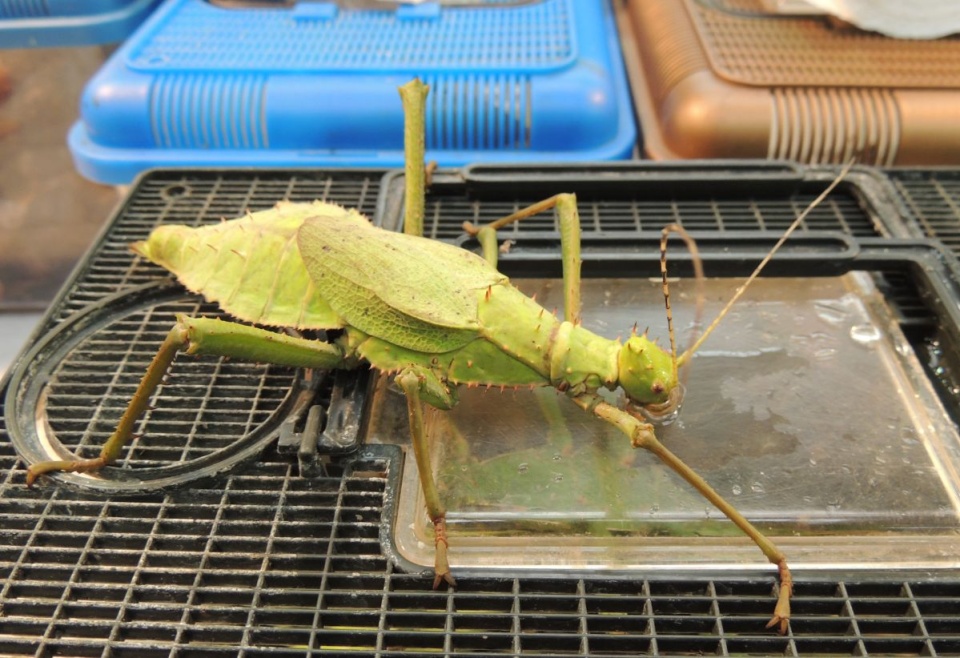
(865, 334)
(654, 509)
(833, 506)
(558, 477)
(757, 488)
(813, 462)
(824, 354)
(831, 312)
(557, 457)
(523, 468)
(737, 490)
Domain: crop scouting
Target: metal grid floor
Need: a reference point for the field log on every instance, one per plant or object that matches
(265, 562)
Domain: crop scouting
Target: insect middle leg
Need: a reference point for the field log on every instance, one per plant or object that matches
(201, 336)
(569, 219)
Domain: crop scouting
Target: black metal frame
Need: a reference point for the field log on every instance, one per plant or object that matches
(264, 561)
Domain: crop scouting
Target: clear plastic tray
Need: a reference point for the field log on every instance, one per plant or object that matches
(807, 409)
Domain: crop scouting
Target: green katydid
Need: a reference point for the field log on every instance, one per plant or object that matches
(430, 314)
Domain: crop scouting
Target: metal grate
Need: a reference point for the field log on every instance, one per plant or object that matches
(269, 563)
(933, 199)
(694, 211)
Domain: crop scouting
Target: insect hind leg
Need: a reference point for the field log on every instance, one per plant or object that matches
(202, 336)
(413, 382)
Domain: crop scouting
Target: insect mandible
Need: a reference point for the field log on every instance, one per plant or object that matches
(429, 314)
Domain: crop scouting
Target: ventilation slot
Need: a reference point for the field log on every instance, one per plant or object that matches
(23, 8)
(467, 113)
(833, 125)
(208, 111)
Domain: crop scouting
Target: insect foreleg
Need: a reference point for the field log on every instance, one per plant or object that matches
(569, 219)
(642, 436)
(413, 381)
(202, 336)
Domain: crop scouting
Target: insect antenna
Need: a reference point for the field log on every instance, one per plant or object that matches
(763, 263)
(698, 271)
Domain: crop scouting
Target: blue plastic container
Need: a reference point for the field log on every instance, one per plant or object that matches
(315, 85)
(58, 23)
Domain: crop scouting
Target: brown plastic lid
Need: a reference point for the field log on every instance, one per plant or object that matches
(726, 79)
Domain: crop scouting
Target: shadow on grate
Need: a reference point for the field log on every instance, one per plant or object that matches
(266, 562)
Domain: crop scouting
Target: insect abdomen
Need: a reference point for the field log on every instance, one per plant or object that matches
(251, 266)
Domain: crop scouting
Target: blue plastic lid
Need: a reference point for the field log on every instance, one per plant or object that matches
(315, 85)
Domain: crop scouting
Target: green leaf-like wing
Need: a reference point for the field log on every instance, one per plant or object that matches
(413, 292)
(251, 266)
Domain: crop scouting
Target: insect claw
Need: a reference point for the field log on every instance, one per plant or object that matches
(487, 295)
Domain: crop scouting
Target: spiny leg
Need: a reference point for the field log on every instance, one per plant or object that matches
(642, 436)
(202, 336)
(569, 217)
(411, 382)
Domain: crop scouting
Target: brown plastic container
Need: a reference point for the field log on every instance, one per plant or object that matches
(726, 79)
